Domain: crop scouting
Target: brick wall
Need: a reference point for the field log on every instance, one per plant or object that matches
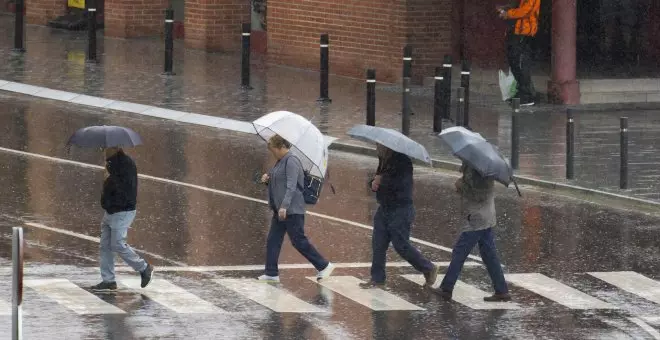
(130, 18)
(39, 12)
(215, 25)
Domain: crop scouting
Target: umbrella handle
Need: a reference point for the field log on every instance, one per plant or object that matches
(516, 185)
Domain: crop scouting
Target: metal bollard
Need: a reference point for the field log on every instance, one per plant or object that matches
(570, 144)
(245, 56)
(465, 83)
(371, 97)
(460, 96)
(405, 112)
(91, 27)
(623, 170)
(19, 27)
(447, 67)
(169, 40)
(438, 102)
(17, 284)
(407, 61)
(515, 135)
(325, 68)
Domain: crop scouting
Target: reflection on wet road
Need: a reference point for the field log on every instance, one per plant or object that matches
(578, 270)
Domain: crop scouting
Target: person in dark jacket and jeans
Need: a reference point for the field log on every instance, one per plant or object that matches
(119, 201)
(393, 185)
(285, 184)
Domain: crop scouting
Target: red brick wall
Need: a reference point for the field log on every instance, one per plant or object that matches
(130, 18)
(39, 12)
(215, 25)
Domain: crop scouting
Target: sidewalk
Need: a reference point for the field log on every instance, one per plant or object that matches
(129, 70)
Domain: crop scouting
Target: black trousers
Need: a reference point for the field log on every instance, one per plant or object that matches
(519, 54)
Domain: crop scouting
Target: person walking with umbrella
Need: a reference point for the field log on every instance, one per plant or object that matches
(393, 185)
(119, 200)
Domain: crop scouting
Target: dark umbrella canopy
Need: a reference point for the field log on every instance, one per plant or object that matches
(105, 137)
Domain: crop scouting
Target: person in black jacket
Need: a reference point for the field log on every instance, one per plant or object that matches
(393, 185)
(119, 201)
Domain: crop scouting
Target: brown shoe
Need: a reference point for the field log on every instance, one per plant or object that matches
(445, 295)
(498, 297)
(431, 277)
(371, 285)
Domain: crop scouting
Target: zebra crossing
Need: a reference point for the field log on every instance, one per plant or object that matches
(279, 299)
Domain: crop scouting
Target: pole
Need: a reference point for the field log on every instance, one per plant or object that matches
(515, 135)
(570, 147)
(169, 40)
(19, 27)
(465, 83)
(438, 100)
(405, 113)
(460, 95)
(91, 26)
(325, 68)
(447, 67)
(371, 97)
(623, 173)
(17, 284)
(245, 60)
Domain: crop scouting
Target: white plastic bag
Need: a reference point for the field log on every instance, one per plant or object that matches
(508, 85)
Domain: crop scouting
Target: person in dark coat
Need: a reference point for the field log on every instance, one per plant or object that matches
(393, 220)
(119, 201)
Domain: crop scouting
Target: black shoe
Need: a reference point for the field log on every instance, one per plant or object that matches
(105, 286)
(445, 295)
(431, 277)
(146, 275)
(497, 297)
(372, 284)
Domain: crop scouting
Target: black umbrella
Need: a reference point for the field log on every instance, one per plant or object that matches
(105, 137)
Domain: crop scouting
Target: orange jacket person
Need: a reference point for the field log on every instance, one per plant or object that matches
(519, 50)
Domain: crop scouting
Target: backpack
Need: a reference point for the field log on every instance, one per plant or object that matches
(312, 187)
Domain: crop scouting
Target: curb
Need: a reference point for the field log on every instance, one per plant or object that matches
(523, 180)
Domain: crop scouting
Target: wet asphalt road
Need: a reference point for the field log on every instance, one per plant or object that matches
(180, 225)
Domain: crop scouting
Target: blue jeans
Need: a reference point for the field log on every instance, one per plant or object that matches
(464, 245)
(294, 226)
(114, 229)
(393, 225)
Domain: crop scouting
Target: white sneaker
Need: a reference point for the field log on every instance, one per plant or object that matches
(266, 278)
(325, 273)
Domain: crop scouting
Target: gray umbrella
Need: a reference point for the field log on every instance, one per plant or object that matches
(391, 139)
(478, 153)
(105, 137)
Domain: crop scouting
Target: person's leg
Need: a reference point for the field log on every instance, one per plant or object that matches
(513, 58)
(119, 224)
(525, 86)
(274, 246)
(466, 241)
(492, 262)
(106, 256)
(380, 241)
(295, 227)
(399, 230)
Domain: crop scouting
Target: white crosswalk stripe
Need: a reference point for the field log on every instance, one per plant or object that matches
(632, 282)
(277, 299)
(172, 296)
(557, 291)
(375, 299)
(72, 297)
(466, 294)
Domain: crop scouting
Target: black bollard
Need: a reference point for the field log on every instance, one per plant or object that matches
(447, 66)
(465, 83)
(405, 112)
(515, 134)
(371, 97)
(570, 147)
(325, 68)
(460, 99)
(19, 27)
(169, 40)
(623, 173)
(407, 61)
(245, 54)
(437, 102)
(91, 27)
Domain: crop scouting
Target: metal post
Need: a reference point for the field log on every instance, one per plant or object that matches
(19, 27)
(405, 113)
(325, 68)
(245, 60)
(437, 102)
(169, 40)
(460, 96)
(17, 284)
(407, 61)
(91, 26)
(465, 83)
(515, 135)
(371, 97)
(623, 173)
(570, 147)
(447, 66)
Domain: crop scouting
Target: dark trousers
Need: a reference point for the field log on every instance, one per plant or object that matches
(519, 54)
(393, 225)
(294, 226)
(464, 245)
